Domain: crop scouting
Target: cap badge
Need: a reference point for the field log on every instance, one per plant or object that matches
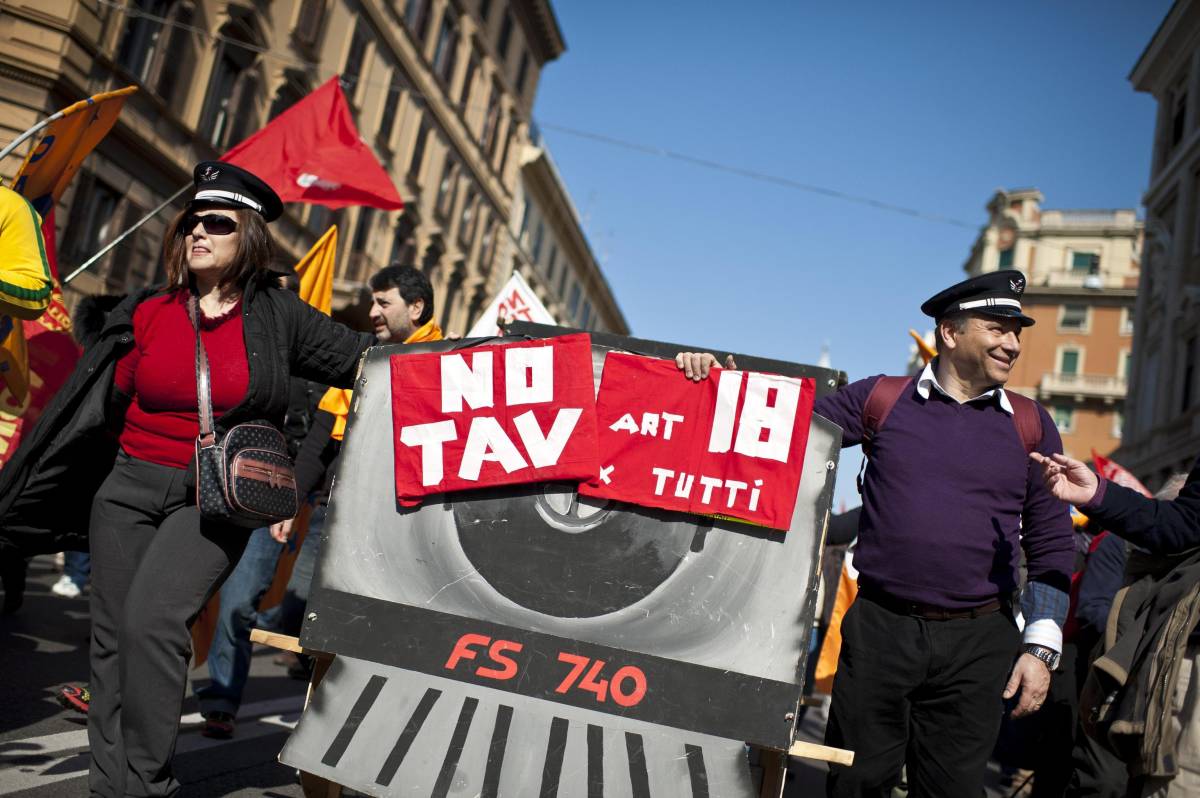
(209, 174)
(1017, 285)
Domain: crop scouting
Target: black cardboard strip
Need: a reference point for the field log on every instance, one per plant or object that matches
(678, 694)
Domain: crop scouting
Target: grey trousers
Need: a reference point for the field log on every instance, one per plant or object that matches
(155, 564)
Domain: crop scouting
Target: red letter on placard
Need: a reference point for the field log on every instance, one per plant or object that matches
(462, 648)
(508, 666)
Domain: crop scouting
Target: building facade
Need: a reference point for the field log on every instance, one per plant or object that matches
(441, 90)
(1082, 268)
(561, 267)
(1162, 428)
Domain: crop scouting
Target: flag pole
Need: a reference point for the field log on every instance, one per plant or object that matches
(104, 251)
(29, 133)
(57, 115)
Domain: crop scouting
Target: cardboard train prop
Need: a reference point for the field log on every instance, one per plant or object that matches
(525, 640)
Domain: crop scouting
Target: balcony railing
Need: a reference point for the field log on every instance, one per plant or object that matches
(1097, 386)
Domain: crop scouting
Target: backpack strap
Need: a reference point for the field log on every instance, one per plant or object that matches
(880, 401)
(1027, 418)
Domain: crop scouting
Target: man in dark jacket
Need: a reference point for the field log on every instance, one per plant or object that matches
(1160, 527)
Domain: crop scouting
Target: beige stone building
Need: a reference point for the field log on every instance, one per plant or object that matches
(1162, 427)
(560, 266)
(442, 91)
(1082, 268)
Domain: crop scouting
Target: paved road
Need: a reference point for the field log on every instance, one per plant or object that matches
(43, 748)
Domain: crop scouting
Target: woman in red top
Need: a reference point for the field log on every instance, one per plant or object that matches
(155, 561)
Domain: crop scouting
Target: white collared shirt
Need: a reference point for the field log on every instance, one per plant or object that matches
(929, 379)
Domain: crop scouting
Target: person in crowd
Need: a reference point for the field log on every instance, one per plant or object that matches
(1158, 702)
(25, 280)
(402, 309)
(77, 567)
(930, 647)
(155, 560)
(25, 286)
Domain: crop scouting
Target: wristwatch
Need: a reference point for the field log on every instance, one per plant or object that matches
(1046, 655)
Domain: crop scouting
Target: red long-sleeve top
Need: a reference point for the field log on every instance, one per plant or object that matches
(159, 373)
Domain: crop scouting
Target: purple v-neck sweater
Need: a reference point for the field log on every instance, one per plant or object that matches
(948, 497)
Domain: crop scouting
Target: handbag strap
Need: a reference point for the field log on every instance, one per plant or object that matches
(203, 381)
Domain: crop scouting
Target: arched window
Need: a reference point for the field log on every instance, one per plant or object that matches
(159, 48)
(291, 91)
(478, 300)
(143, 36)
(451, 295)
(231, 108)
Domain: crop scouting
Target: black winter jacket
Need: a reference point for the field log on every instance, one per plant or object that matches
(1163, 527)
(46, 489)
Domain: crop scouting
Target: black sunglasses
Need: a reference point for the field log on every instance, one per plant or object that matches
(214, 224)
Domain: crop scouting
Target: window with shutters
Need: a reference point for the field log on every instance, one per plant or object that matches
(1074, 318)
(307, 33)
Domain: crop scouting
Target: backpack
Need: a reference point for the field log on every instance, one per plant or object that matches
(887, 390)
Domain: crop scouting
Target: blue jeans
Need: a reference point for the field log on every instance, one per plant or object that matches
(77, 566)
(229, 655)
(295, 599)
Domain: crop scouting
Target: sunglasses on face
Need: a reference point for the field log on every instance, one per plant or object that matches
(214, 223)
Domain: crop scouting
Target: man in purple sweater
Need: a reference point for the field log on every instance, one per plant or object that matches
(931, 649)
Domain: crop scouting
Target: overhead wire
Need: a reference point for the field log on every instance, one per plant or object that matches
(705, 163)
(782, 181)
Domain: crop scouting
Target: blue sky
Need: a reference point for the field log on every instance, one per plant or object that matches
(928, 105)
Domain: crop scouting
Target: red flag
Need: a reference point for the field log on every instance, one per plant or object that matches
(1115, 472)
(52, 356)
(312, 153)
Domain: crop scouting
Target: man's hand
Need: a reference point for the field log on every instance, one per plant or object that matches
(1031, 677)
(282, 530)
(695, 365)
(1067, 479)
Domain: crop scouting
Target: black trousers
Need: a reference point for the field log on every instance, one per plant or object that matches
(926, 693)
(155, 564)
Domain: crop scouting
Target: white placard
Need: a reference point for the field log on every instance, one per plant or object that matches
(516, 302)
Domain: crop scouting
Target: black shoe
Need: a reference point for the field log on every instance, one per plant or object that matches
(12, 576)
(301, 669)
(218, 726)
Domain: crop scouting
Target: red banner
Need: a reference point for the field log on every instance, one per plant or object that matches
(493, 415)
(1115, 472)
(730, 445)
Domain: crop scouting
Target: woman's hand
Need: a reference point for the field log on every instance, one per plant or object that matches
(1066, 478)
(282, 530)
(695, 365)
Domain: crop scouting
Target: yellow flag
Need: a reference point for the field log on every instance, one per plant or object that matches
(67, 138)
(316, 272)
(64, 144)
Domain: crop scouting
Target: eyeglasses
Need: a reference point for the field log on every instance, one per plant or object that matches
(214, 224)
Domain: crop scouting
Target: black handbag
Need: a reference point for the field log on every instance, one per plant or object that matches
(245, 478)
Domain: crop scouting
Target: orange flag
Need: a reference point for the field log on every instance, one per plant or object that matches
(831, 648)
(928, 353)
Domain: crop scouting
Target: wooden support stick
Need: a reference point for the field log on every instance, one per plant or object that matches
(283, 642)
(824, 753)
